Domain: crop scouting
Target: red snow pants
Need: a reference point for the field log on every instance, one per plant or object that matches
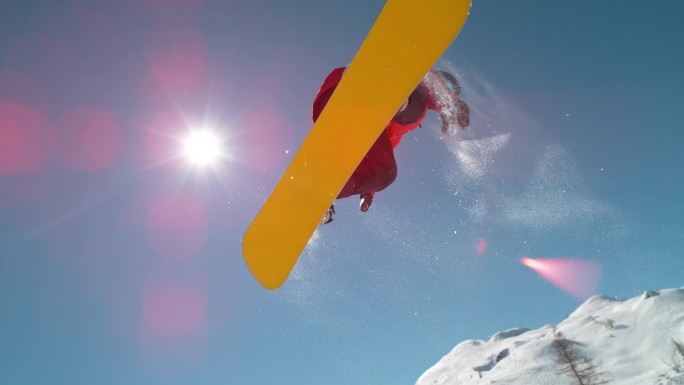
(377, 170)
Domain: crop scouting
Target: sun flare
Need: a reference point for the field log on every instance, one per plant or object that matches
(202, 148)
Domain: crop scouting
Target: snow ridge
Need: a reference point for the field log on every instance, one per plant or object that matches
(630, 342)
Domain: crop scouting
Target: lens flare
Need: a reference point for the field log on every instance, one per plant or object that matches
(177, 56)
(27, 138)
(202, 148)
(176, 226)
(578, 278)
(173, 319)
(90, 139)
(162, 7)
(264, 139)
(481, 247)
(174, 310)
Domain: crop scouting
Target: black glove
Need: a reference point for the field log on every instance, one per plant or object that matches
(463, 114)
(458, 115)
(446, 124)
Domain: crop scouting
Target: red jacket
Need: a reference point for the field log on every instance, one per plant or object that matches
(396, 127)
(378, 169)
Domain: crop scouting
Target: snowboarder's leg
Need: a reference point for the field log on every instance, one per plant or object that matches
(328, 217)
(377, 170)
(366, 200)
(413, 111)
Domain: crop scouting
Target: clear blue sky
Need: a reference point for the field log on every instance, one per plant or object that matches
(120, 265)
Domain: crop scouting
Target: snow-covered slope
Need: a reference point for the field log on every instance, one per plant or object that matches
(630, 343)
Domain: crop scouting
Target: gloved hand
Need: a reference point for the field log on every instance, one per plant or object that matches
(458, 117)
(463, 114)
(446, 123)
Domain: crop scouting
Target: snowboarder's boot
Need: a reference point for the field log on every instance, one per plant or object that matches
(328, 217)
(366, 200)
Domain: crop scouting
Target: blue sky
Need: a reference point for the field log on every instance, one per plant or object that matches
(119, 263)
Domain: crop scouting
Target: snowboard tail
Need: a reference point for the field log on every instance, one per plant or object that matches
(406, 40)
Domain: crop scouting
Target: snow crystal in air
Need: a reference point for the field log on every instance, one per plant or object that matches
(475, 156)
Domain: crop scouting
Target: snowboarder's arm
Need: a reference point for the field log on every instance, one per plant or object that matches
(326, 90)
(451, 109)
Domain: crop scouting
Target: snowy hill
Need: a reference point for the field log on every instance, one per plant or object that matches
(617, 342)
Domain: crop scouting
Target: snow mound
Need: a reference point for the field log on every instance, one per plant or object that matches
(629, 342)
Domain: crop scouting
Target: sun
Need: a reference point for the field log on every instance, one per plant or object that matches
(202, 148)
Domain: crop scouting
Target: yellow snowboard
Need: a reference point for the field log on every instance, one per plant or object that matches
(406, 40)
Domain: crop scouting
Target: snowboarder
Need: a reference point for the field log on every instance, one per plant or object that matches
(378, 169)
